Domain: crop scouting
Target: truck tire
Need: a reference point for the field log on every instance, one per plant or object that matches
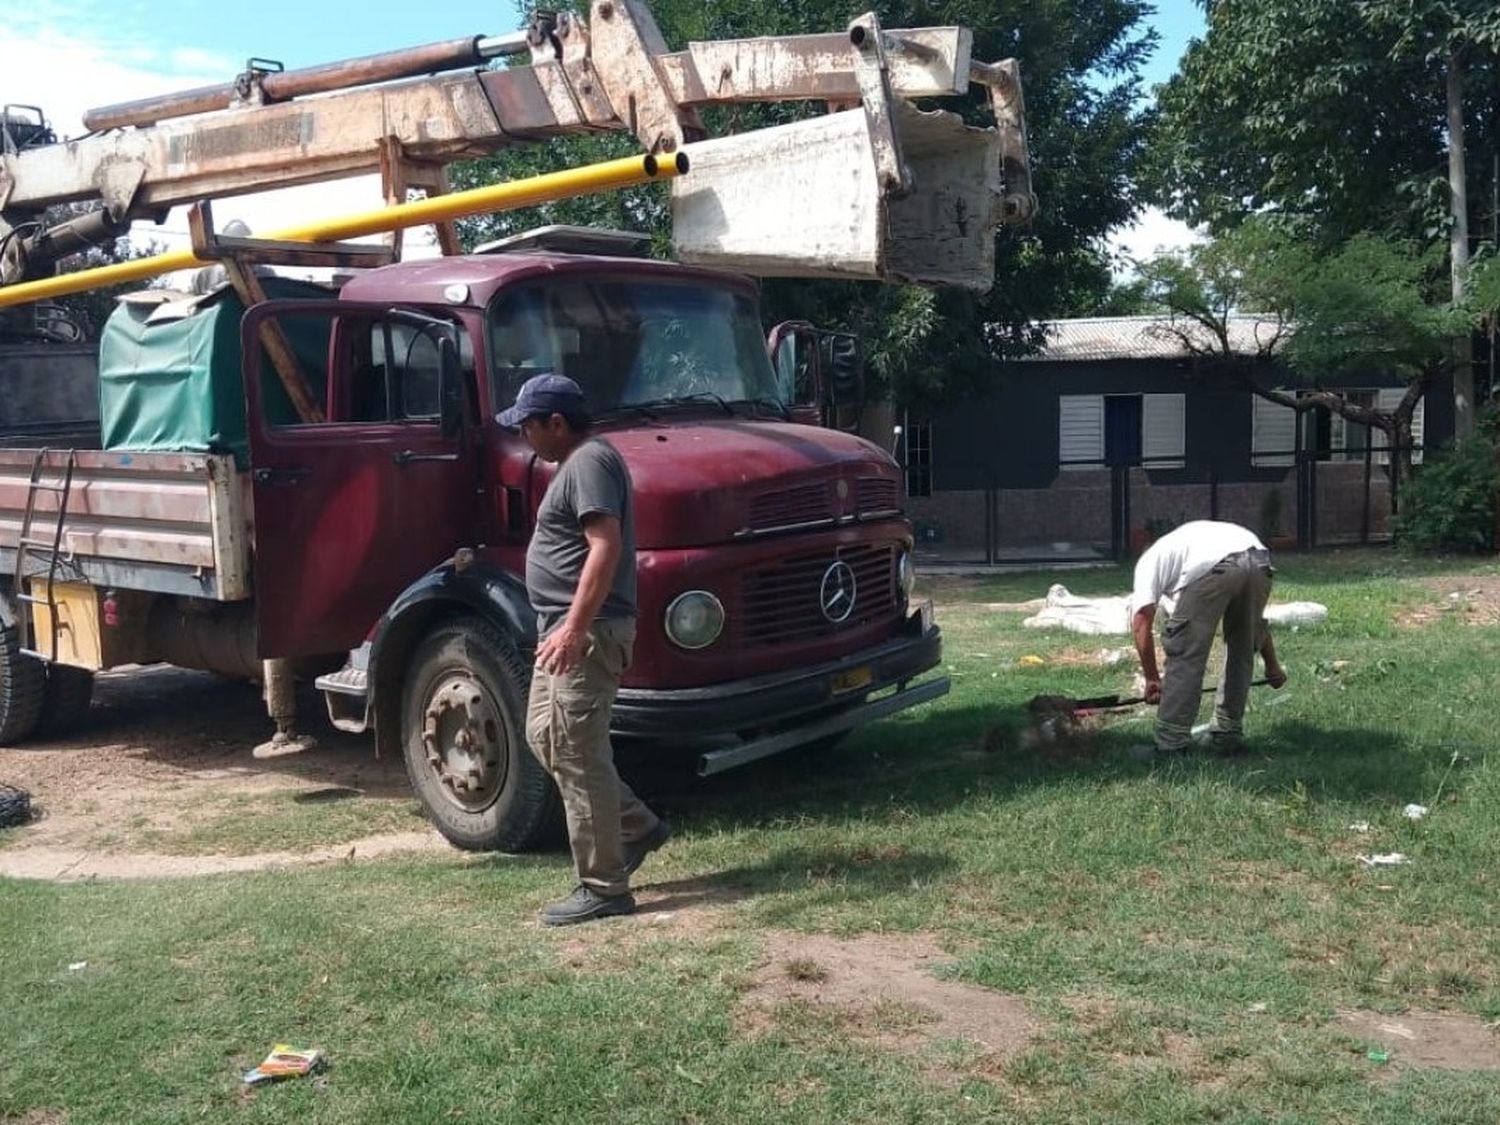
(463, 734)
(23, 682)
(65, 700)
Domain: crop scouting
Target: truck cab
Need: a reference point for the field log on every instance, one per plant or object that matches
(774, 561)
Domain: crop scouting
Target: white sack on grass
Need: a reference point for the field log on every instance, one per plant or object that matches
(1296, 613)
(1097, 617)
(1093, 616)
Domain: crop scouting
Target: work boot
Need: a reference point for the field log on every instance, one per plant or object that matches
(636, 852)
(1227, 744)
(584, 905)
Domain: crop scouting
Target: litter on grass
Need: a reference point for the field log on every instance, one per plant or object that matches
(1360, 826)
(286, 1061)
(1414, 812)
(1386, 859)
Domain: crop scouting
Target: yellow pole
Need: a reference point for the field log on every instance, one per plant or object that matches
(606, 176)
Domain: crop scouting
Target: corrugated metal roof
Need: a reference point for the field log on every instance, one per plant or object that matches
(1145, 337)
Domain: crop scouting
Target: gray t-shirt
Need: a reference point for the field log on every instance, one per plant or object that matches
(592, 479)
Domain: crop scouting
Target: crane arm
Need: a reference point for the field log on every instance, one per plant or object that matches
(273, 129)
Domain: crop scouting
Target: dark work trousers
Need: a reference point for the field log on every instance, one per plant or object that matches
(1234, 592)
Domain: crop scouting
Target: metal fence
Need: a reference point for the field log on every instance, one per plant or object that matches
(1301, 498)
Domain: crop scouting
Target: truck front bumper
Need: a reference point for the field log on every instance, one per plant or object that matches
(793, 708)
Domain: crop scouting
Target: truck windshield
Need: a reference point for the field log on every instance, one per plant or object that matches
(633, 342)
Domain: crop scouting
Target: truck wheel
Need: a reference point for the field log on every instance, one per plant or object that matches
(65, 699)
(23, 681)
(463, 734)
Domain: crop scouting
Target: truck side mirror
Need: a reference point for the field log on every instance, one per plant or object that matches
(450, 389)
(846, 371)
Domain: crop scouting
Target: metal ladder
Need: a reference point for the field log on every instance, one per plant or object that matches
(29, 544)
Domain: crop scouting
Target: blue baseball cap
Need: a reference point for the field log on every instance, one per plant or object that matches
(545, 394)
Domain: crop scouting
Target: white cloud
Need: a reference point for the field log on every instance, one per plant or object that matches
(67, 74)
(189, 60)
(1151, 234)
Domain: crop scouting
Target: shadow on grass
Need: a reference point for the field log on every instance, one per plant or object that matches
(943, 759)
(865, 871)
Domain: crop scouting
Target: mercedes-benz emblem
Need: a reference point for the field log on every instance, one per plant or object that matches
(836, 596)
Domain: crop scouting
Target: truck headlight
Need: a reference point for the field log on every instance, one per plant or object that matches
(906, 574)
(695, 619)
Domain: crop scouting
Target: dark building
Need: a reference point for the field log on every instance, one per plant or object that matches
(1115, 433)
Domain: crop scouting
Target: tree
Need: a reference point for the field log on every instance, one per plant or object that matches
(1370, 306)
(1332, 111)
(1342, 112)
(1079, 60)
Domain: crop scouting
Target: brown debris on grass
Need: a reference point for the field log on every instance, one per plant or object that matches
(1473, 599)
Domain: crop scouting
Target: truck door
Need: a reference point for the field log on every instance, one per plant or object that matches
(354, 502)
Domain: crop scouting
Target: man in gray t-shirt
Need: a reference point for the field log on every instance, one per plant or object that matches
(592, 481)
(580, 579)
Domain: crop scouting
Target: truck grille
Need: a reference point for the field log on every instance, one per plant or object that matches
(877, 494)
(810, 503)
(804, 504)
(780, 604)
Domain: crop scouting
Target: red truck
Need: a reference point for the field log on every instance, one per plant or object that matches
(774, 561)
(317, 487)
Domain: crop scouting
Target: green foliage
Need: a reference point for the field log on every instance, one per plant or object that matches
(1370, 305)
(1449, 504)
(1373, 305)
(1079, 60)
(1483, 292)
(1332, 110)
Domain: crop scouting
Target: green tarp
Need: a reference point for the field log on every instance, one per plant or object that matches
(176, 383)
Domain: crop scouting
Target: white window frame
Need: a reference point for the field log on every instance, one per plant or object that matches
(916, 459)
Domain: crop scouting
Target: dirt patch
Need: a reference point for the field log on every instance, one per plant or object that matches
(166, 750)
(882, 990)
(1473, 599)
(1441, 1040)
(67, 866)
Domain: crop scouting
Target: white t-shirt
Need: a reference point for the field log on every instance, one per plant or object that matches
(1184, 554)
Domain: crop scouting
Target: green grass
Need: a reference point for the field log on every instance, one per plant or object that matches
(1185, 933)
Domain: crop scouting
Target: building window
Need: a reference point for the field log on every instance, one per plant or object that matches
(1273, 434)
(1094, 431)
(916, 438)
(1326, 436)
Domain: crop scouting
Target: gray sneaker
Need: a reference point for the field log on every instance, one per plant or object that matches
(584, 905)
(636, 853)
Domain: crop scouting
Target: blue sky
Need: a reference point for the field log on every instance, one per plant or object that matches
(1176, 21)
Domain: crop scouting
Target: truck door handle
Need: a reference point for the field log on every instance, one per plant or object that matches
(289, 475)
(406, 457)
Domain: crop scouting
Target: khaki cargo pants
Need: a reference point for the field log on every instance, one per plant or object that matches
(567, 726)
(1234, 592)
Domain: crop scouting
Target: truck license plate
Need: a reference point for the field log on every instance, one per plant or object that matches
(853, 679)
